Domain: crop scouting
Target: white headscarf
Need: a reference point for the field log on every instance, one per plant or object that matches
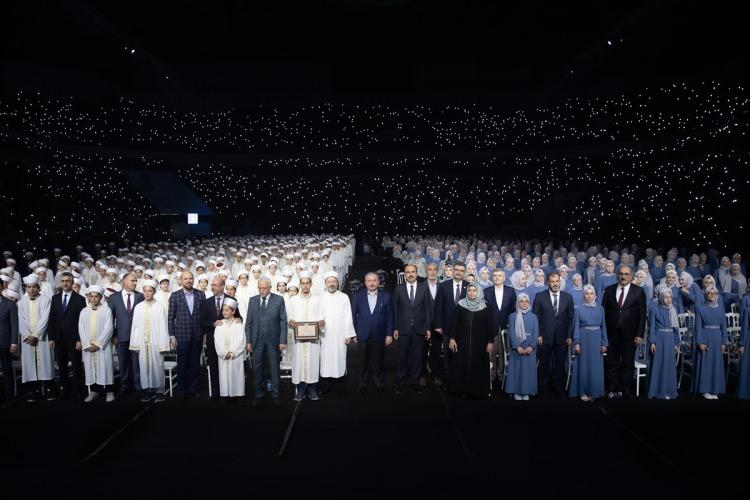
(520, 329)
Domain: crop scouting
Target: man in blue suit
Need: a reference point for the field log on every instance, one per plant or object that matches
(265, 331)
(502, 301)
(372, 311)
(554, 311)
(122, 305)
(8, 339)
(185, 334)
(448, 294)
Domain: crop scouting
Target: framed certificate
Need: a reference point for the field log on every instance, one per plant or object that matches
(306, 330)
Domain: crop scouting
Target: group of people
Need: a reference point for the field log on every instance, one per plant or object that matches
(133, 305)
(599, 304)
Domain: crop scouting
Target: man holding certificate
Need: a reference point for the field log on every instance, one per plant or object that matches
(306, 318)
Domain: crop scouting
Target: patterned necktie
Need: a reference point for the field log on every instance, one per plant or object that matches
(128, 305)
(218, 305)
(554, 302)
(65, 302)
(264, 302)
(411, 294)
(458, 293)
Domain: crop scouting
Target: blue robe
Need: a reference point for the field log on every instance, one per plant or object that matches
(577, 296)
(604, 281)
(695, 272)
(522, 369)
(743, 384)
(662, 372)
(657, 273)
(710, 329)
(590, 332)
(533, 289)
(691, 297)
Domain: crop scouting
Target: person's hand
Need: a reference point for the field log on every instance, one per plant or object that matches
(427, 335)
(490, 347)
(13, 348)
(570, 340)
(577, 349)
(32, 341)
(282, 347)
(388, 340)
(51, 344)
(723, 349)
(521, 350)
(742, 349)
(114, 341)
(292, 323)
(236, 320)
(452, 345)
(395, 334)
(217, 322)
(638, 341)
(604, 349)
(322, 323)
(347, 340)
(653, 348)
(78, 345)
(539, 340)
(173, 342)
(228, 356)
(704, 347)
(439, 330)
(249, 347)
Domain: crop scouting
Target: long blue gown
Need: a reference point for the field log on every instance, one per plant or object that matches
(743, 384)
(657, 273)
(605, 279)
(710, 329)
(522, 369)
(662, 372)
(534, 289)
(577, 295)
(590, 332)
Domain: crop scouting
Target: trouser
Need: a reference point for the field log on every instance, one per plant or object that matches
(552, 363)
(213, 363)
(41, 386)
(371, 354)
(130, 369)
(188, 365)
(260, 350)
(432, 356)
(620, 363)
(409, 358)
(6, 361)
(66, 352)
(310, 388)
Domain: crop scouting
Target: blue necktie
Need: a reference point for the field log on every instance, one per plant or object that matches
(65, 302)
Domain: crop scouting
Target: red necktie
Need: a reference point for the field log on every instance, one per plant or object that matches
(622, 297)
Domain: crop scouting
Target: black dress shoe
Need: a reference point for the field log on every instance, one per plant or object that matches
(398, 389)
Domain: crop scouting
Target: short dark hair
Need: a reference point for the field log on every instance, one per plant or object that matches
(553, 273)
(410, 265)
(459, 263)
(66, 274)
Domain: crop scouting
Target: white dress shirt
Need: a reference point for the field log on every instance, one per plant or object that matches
(499, 291)
(619, 291)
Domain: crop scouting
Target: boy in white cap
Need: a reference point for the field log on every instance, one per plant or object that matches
(95, 329)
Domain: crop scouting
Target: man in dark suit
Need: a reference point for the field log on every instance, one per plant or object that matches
(625, 314)
(501, 299)
(372, 312)
(432, 357)
(265, 331)
(411, 306)
(122, 305)
(185, 334)
(8, 341)
(210, 315)
(65, 309)
(554, 311)
(448, 294)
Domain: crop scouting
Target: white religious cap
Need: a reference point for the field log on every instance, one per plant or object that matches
(34, 264)
(40, 269)
(148, 272)
(293, 284)
(169, 263)
(95, 289)
(7, 279)
(331, 274)
(120, 260)
(230, 302)
(182, 265)
(238, 254)
(139, 268)
(289, 256)
(7, 270)
(212, 261)
(111, 270)
(159, 259)
(256, 267)
(297, 254)
(130, 263)
(254, 258)
(88, 259)
(305, 274)
(10, 262)
(263, 253)
(243, 272)
(11, 294)
(287, 274)
(230, 282)
(199, 263)
(315, 264)
(163, 277)
(153, 284)
(202, 277)
(75, 265)
(78, 281)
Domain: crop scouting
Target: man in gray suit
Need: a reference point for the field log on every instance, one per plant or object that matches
(122, 304)
(265, 330)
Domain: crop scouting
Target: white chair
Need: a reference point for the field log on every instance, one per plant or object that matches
(170, 367)
(400, 277)
(733, 344)
(641, 366)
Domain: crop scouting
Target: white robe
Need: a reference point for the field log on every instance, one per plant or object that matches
(305, 355)
(95, 326)
(36, 362)
(243, 299)
(337, 312)
(230, 337)
(150, 338)
(90, 276)
(163, 299)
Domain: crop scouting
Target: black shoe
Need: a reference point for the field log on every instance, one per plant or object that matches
(147, 397)
(32, 398)
(398, 389)
(225, 401)
(628, 395)
(51, 396)
(417, 389)
(276, 402)
(160, 398)
(362, 389)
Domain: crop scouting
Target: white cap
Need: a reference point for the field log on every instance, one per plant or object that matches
(230, 302)
(31, 279)
(331, 274)
(95, 289)
(153, 284)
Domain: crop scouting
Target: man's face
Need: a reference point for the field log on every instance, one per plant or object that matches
(554, 283)
(187, 281)
(432, 271)
(410, 274)
(128, 283)
(264, 287)
(372, 282)
(305, 284)
(624, 276)
(458, 272)
(66, 283)
(332, 284)
(498, 278)
(217, 286)
(32, 290)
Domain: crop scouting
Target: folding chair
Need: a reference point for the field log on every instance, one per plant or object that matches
(506, 353)
(733, 344)
(641, 364)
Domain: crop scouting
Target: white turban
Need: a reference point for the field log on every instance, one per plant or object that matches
(31, 279)
(331, 274)
(153, 284)
(95, 289)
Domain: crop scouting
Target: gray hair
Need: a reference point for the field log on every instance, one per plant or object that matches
(372, 274)
(266, 279)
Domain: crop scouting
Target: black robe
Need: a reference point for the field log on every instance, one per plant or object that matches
(469, 368)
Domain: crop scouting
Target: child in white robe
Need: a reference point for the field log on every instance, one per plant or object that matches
(37, 366)
(150, 339)
(229, 340)
(95, 330)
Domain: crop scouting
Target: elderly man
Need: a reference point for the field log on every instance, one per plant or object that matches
(185, 334)
(337, 314)
(372, 312)
(265, 331)
(211, 317)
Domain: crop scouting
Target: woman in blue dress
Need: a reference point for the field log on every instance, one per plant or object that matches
(670, 280)
(663, 340)
(657, 270)
(690, 293)
(589, 344)
(743, 384)
(592, 271)
(523, 330)
(711, 340)
(694, 267)
(639, 278)
(576, 290)
(605, 279)
(539, 285)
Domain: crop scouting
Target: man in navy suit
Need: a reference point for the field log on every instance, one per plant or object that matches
(502, 301)
(210, 314)
(64, 311)
(185, 334)
(372, 312)
(8, 340)
(448, 294)
(411, 308)
(122, 305)
(554, 311)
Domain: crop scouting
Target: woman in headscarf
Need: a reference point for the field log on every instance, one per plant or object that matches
(723, 276)
(470, 341)
(523, 330)
(671, 281)
(694, 267)
(740, 279)
(575, 289)
(743, 382)
(689, 291)
(518, 281)
(538, 285)
(657, 270)
(484, 278)
(711, 339)
(639, 278)
(589, 344)
(592, 271)
(564, 281)
(663, 341)
(510, 266)
(605, 279)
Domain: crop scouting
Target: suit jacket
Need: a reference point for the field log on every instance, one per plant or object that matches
(500, 312)
(407, 316)
(276, 311)
(182, 325)
(376, 325)
(209, 316)
(123, 320)
(554, 327)
(63, 325)
(630, 321)
(444, 303)
(8, 323)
